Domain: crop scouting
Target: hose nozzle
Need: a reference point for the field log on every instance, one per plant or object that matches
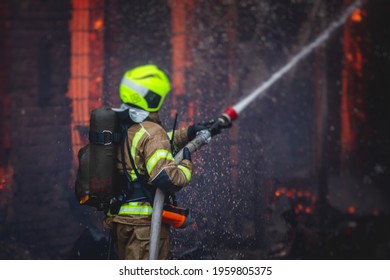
(224, 121)
(230, 113)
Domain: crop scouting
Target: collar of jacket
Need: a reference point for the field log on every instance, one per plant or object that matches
(154, 117)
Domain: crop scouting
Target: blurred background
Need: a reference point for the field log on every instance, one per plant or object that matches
(302, 174)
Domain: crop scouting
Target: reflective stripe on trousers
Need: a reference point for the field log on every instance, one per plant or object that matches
(134, 208)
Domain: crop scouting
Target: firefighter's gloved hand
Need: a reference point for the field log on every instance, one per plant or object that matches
(194, 129)
(186, 153)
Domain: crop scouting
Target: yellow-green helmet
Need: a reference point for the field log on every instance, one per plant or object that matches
(145, 87)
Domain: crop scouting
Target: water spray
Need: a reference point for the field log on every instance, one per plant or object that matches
(230, 114)
(240, 106)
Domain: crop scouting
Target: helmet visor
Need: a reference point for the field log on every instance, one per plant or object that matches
(153, 99)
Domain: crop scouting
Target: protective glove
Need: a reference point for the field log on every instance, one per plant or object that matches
(194, 129)
(186, 154)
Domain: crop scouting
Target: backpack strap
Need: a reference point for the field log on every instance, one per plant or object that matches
(130, 186)
(105, 137)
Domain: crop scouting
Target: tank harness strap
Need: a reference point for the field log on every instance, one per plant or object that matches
(129, 186)
(105, 137)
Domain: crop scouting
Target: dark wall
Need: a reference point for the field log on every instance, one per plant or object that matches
(136, 33)
(39, 217)
(5, 27)
(378, 97)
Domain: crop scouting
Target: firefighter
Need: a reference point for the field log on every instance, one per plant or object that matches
(148, 161)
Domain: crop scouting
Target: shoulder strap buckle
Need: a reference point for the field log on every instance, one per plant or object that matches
(105, 137)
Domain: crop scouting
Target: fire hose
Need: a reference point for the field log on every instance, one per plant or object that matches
(202, 138)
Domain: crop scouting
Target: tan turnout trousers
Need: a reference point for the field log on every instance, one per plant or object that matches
(131, 234)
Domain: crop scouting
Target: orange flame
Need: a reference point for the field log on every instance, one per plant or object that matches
(357, 15)
(98, 24)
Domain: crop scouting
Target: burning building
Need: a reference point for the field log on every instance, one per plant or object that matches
(319, 135)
